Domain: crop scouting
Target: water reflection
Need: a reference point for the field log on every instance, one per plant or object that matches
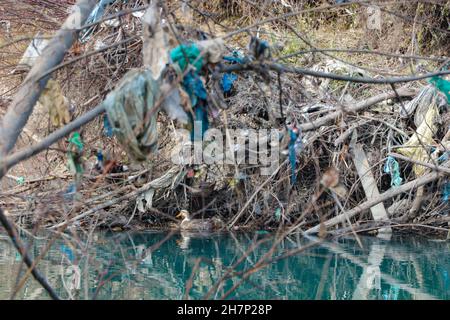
(158, 266)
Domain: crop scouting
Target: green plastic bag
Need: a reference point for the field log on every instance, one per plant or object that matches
(76, 141)
(128, 109)
(189, 51)
(442, 85)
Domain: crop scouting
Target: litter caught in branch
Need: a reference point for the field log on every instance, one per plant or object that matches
(155, 48)
(56, 103)
(95, 16)
(32, 53)
(132, 115)
(442, 85)
(392, 168)
(415, 147)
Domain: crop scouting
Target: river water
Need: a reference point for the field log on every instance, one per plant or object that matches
(179, 266)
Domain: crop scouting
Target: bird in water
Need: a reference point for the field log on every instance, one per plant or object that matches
(198, 224)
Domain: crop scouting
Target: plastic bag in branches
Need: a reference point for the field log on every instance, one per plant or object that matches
(130, 113)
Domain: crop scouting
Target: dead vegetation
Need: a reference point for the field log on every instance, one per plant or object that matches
(413, 40)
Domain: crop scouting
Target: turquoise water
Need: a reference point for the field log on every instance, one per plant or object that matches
(178, 266)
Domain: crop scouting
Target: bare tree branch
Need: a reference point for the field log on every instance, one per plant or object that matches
(26, 258)
(24, 101)
(281, 68)
(26, 153)
(375, 200)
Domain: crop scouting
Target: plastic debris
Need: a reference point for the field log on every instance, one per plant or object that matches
(201, 123)
(107, 126)
(74, 157)
(56, 103)
(164, 181)
(75, 163)
(196, 55)
(99, 165)
(421, 103)
(76, 140)
(138, 14)
(105, 164)
(392, 168)
(444, 157)
(156, 58)
(175, 103)
(446, 191)
(236, 57)
(128, 110)
(69, 194)
(442, 85)
(73, 275)
(185, 55)
(112, 23)
(423, 137)
(182, 56)
(68, 252)
(33, 51)
(258, 48)
(155, 47)
(278, 214)
(100, 157)
(227, 82)
(446, 279)
(96, 15)
(295, 141)
(212, 49)
(148, 197)
(195, 88)
(20, 180)
(320, 88)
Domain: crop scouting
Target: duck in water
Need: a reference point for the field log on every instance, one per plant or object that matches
(198, 224)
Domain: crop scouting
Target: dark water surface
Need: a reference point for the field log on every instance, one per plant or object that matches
(155, 266)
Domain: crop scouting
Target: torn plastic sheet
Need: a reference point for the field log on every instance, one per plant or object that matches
(236, 57)
(173, 105)
(185, 55)
(96, 14)
(392, 168)
(415, 147)
(127, 108)
(56, 103)
(195, 88)
(148, 197)
(446, 191)
(442, 85)
(107, 126)
(32, 53)
(227, 82)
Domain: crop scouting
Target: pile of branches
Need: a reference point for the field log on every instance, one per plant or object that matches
(340, 111)
(32, 13)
